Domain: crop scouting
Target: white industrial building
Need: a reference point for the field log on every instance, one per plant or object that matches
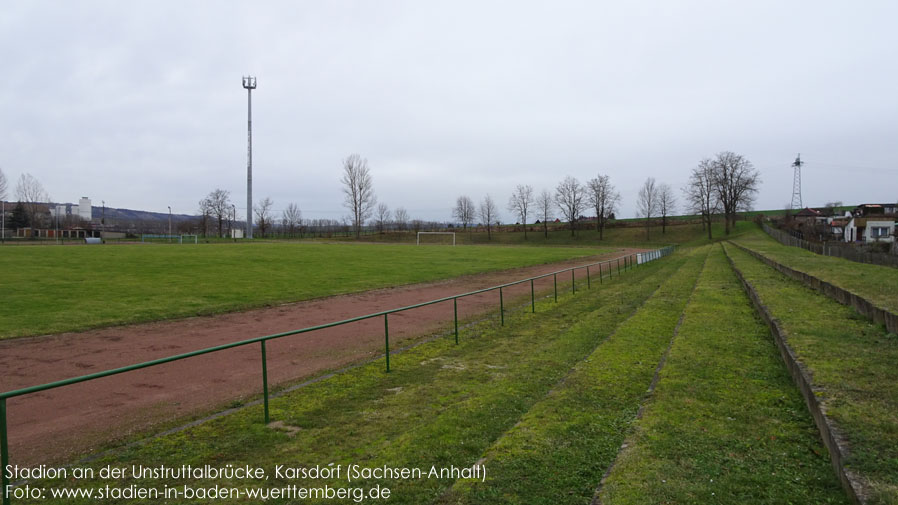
(83, 210)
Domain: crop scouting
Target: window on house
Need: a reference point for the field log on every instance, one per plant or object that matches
(879, 231)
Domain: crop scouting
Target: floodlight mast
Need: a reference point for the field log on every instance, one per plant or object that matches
(249, 83)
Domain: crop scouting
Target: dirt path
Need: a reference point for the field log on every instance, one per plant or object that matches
(56, 425)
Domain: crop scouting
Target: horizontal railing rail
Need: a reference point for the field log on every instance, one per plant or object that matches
(626, 262)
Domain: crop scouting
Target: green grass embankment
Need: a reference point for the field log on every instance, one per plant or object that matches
(441, 405)
(621, 236)
(563, 445)
(879, 284)
(725, 423)
(851, 360)
(57, 289)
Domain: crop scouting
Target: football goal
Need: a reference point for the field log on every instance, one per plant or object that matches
(169, 238)
(443, 241)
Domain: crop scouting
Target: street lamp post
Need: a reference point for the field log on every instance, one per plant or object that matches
(249, 83)
(169, 223)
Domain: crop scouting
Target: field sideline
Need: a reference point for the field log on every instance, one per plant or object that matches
(60, 289)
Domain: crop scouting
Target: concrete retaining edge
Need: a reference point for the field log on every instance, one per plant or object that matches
(843, 296)
(832, 437)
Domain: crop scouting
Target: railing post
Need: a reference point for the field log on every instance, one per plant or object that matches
(501, 307)
(455, 309)
(587, 277)
(573, 282)
(4, 451)
(265, 381)
(600, 274)
(555, 276)
(532, 298)
(387, 340)
(618, 267)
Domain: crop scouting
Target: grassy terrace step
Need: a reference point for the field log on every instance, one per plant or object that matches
(725, 423)
(851, 360)
(873, 282)
(442, 405)
(560, 449)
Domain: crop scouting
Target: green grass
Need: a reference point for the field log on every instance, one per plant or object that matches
(851, 359)
(562, 446)
(873, 282)
(725, 424)
(57, 289)
(442, 405)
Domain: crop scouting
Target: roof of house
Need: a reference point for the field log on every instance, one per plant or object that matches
(808, 212)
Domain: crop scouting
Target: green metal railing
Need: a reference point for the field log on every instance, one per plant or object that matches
(625, 262)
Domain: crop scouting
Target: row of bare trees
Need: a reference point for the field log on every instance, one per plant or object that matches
(217, 205)
(570, 197)
(655, 200)
(727, 183)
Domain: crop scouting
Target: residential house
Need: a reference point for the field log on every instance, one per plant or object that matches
(871, 222)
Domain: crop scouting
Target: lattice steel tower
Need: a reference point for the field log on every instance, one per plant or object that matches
(796, 184)
(249, 83)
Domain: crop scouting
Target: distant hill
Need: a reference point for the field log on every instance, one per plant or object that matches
(131, 215)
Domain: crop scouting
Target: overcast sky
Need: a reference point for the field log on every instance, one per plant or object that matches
(140, 104)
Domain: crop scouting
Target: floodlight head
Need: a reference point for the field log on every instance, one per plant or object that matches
(249, 82)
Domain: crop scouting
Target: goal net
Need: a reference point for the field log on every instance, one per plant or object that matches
(179, 239)
(436, 237)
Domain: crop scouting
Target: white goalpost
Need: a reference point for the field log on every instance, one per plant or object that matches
(418, 241)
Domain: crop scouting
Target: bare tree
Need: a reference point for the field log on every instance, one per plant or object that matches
(833, 207)
(736, 183)
(400, 216)
(358, 190)
(205, 208)
(262, 211)
(292, 219)
(520, 202)
(667, 204)
(604, 199)
(647, 202)
(464, 210)
(700, 194)
(544, 206)
(31, 193)
(569, 196)
(381, 217)
(488, 213)
(219, 205)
